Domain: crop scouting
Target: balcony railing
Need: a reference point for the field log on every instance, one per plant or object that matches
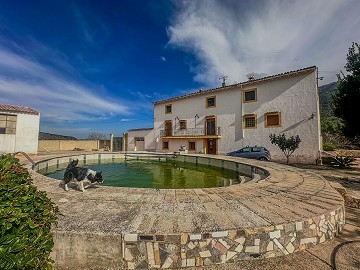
(190, 132)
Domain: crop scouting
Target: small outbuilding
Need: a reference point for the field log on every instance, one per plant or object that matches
(19, 129)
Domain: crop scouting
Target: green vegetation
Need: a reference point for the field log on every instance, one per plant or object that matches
(338, 106)
(347, 98)
(26, 217)
(342, 162)
(328, 146)
(287, 146)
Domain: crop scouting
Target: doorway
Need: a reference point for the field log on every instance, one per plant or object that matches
(211, 146)
(210, 126)
(168, 128)
(139, 144)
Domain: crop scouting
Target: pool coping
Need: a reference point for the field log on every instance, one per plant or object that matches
(290, 210)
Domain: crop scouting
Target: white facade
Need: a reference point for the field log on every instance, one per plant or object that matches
(290, 98)
(141, 139)
(25, 136)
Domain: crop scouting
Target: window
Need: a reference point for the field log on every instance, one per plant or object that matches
(168, 109)
(249, 95)
(7, 124)
(273, 119)
(210, 102)
(245, 150)
(182, 124)
(192, 146)
(165, 145)
(250, 121)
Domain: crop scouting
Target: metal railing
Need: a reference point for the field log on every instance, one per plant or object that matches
(189, 132)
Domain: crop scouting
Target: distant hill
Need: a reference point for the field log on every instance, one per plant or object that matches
(49, 136)
(325, 96)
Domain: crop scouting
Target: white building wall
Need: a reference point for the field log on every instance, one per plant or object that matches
(27, 133)
(149, 138)
(295, 96)
(26, 137)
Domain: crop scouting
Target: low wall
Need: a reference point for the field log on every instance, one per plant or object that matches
(86, 250)
(67, 145)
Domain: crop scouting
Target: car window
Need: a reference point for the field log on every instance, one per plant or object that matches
(256, 149)
(246, 150)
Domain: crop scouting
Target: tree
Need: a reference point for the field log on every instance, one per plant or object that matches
(287, 146)
(96, 136)
(347, 98)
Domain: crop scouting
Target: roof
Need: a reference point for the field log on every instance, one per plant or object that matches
(249, 82)
(139, 129)
(17, 109)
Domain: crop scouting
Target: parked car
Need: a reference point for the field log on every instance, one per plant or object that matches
(255, 152)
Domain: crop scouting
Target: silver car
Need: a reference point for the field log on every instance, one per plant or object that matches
(254, 152)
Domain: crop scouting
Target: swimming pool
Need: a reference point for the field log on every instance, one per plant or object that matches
(161, 174)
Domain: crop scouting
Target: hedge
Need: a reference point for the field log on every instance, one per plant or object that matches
(26, 217)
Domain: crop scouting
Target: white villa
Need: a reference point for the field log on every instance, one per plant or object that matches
(19, 129)
(224, 119)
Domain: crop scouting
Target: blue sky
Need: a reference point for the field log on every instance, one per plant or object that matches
(97, 66)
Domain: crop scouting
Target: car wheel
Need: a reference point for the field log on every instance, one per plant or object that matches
(263, 158)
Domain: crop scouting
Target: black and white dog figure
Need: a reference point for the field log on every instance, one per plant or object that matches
(81, 175)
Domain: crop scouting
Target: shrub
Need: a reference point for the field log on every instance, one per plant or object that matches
(328, 146)
(286, 145)
(26, 216)
(342, 162)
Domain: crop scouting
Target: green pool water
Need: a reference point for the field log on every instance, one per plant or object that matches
(159, 174)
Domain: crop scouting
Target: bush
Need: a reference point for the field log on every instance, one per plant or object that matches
(286, 145)
(342, 162)
(26, 216)
(328, 146)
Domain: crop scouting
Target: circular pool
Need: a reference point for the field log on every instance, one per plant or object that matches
(155, 171)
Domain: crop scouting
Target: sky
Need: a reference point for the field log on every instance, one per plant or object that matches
(97, 66)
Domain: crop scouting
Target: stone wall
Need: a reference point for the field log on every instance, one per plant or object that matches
(189, 249)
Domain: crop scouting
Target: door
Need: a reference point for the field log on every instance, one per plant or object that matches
(168, 128)
(210, 126)
(211, 146)
(139, 144)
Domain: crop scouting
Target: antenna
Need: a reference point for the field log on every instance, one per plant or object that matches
(223, 78)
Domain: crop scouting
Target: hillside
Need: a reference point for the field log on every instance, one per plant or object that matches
(49, 136)
(325, 96)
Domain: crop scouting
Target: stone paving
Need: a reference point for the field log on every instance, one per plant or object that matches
(292, 210)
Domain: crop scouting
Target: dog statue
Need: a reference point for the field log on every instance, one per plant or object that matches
(81, 175)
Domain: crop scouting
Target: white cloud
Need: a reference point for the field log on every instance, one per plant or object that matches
(25, 82)
(163, 58)
(231, 38)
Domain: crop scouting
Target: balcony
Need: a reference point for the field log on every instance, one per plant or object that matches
(191, 133)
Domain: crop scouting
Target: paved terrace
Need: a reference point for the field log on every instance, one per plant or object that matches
(107, 227)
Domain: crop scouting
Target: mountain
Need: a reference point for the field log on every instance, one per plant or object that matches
(49, 136)
(325, 96)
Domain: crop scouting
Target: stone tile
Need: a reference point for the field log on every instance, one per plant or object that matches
(205, 254)
(190, 262)
(241, 240)
(219, 234)
(168, 262)
(275, 234)
(270, 246)
(131, 237)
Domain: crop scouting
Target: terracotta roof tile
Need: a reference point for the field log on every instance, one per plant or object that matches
(202, 92)
(18, 109)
